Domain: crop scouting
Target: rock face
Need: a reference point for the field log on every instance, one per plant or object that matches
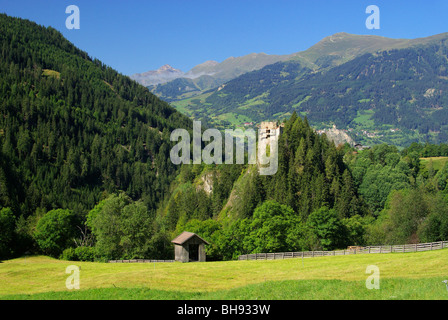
(207, 183)
(337, 136)
(162, 75)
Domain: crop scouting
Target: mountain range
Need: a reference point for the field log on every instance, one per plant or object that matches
(375, 89)
(330, 51)
(202, 77)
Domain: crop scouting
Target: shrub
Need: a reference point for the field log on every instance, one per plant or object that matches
(69, 254)
(78, 254)
(85, 253)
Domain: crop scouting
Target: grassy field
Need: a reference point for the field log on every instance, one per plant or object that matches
(184, 105)
(364, 118)
(437, 162)
(402, 276)
(51, 73)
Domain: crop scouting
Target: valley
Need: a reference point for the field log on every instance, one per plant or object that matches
(358, 83)
(88, 176)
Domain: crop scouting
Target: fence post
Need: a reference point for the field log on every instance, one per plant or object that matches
(431, 245)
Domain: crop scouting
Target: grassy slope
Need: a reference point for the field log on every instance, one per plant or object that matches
(403, 276)
(437, 162)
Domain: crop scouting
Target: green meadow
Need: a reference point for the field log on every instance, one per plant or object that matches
(403, 276)
(438, 163)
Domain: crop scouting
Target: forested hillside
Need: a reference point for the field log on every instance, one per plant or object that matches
(322, 197)
(73, 130)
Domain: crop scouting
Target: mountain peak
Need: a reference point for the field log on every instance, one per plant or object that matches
(164, 74)
(167, 68)
(340, 35)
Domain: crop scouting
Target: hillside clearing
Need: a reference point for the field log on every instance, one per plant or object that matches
(437, 162)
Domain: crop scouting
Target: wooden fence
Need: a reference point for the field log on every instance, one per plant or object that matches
(360, 250)
(139, 261)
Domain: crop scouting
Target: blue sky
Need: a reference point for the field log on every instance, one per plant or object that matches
(140, 35)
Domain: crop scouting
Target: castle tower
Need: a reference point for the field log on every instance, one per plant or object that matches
(268, 135)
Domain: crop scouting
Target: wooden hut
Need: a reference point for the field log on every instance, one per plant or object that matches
(189, 247)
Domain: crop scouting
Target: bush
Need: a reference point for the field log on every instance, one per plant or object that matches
(85, 253)
(78, 254)
(69, 254)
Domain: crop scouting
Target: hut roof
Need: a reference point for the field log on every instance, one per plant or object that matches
(184, 236)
